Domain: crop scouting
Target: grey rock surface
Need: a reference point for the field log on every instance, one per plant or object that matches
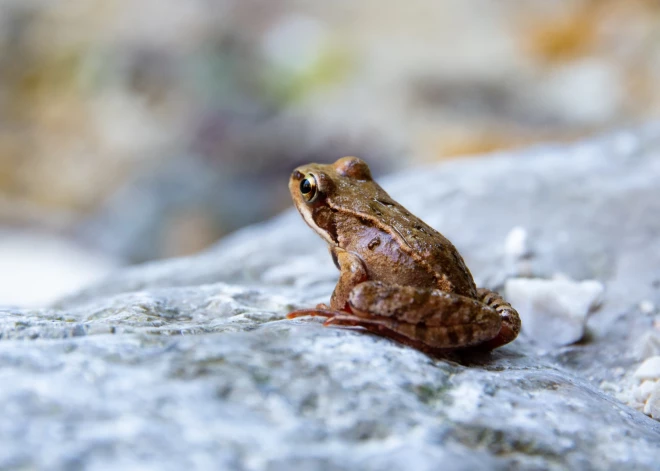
(191, 364)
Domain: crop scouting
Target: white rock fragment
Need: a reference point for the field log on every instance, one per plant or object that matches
(650, 369)
(515, 245)
(652, 406)
(649, 345)
(553, 312)
(641, 389)
(644, 390)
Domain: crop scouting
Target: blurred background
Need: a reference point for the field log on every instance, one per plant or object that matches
(133, 131)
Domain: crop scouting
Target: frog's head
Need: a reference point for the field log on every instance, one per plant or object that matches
(319, 191)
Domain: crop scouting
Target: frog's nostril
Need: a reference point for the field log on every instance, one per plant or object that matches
(297, 175)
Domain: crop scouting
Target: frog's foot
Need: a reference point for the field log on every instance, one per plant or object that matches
(510, 319)
(343, 318)
(320, 310)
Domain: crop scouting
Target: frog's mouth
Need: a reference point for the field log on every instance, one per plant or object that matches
(306, 210)
(307, 216)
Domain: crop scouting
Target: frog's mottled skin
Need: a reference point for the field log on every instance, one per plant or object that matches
(399, 277)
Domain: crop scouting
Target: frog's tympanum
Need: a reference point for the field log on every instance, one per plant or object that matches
(399, 277)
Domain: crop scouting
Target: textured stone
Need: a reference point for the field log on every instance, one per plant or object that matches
(645, 390)
(650, 369)
(190, 363)
(652, 407)
(649, 344)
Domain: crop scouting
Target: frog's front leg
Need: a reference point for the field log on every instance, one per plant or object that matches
(427, 319)
(352, 273)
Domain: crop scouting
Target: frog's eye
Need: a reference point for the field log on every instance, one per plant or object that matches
(309, 188)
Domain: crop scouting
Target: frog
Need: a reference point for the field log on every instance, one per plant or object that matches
(398, 277)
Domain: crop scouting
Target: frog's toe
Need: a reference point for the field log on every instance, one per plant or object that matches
(341, 318)
(313, 312)
(510, 318)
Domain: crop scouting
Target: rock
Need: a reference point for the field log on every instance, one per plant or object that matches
(516, 245)
(649, 344)
(650, 369)
(553, 312)
(190, 363)
(645, 390)
(652, 407)
(646, 307)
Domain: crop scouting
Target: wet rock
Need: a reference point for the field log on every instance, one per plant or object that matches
(190, 363)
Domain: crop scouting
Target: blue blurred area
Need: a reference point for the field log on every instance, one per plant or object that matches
(143, 130)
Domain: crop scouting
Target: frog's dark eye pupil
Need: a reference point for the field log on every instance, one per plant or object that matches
(309, 188)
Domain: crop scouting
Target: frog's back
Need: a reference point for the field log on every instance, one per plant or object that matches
(431, 248)
(423, 244)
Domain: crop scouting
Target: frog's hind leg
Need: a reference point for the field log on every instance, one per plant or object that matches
(424, 337)
(379, 326)
(510, 319)
(430, 317)
(430, 320)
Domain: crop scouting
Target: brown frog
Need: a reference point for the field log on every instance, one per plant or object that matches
(399, 277)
